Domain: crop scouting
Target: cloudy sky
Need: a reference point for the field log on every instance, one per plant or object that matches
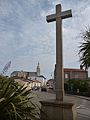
(26, 37)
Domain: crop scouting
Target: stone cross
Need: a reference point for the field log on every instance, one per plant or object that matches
(59, 49)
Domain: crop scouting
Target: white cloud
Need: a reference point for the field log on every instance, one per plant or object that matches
(26, 37)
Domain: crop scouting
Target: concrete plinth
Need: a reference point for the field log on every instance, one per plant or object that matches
(57, 110)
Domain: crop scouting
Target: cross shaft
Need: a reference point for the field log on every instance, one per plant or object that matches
(59, 49)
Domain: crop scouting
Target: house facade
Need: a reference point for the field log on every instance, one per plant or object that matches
(70, 73)
(28, 83)
(50, 83)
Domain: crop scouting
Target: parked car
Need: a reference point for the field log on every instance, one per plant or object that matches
(43, 89)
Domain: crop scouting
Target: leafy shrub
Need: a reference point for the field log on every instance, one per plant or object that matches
(16, 101)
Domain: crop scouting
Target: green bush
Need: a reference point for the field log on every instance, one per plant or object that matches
(73, 85)
(16, 101)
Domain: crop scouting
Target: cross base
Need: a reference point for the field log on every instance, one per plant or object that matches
(57, 110)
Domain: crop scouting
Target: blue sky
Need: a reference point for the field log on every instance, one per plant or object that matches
(26, 37)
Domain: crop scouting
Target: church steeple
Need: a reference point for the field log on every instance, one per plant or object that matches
(38, 69)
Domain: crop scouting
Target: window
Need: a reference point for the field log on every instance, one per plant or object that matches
(66, 76)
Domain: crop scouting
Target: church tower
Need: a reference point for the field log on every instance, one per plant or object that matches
(38, 69)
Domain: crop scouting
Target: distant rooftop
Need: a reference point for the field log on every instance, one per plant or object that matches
(73, 70)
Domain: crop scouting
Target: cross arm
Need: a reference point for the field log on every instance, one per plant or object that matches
(51, 18)
(64, 14)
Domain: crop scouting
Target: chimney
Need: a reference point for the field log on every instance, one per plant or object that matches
(81, 67)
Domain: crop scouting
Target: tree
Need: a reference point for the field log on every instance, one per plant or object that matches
(84, 51)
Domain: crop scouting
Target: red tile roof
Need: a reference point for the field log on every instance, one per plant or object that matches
(36, 81)
(74, 70)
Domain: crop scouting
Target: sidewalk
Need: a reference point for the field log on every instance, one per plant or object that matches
(82, 97)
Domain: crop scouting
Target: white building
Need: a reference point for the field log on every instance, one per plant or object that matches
(30, 76)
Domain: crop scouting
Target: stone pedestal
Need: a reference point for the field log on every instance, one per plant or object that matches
(57, 110)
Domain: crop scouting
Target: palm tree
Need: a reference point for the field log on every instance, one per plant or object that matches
(84, 51)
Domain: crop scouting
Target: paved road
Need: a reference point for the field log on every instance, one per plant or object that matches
(82, 103)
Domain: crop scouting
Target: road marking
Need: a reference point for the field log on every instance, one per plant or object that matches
(83, 115)
(80, 106)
